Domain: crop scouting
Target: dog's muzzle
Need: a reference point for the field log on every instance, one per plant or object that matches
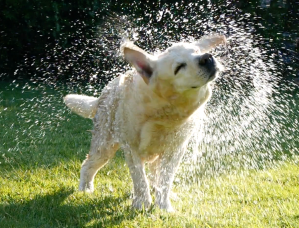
(207, 61)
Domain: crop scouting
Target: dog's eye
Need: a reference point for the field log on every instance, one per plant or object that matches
(180, 66)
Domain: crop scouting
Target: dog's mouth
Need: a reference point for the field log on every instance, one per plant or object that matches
(210, 76)
(213, 74)
(209, 68)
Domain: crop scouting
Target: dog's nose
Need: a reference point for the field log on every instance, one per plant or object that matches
(206, 59)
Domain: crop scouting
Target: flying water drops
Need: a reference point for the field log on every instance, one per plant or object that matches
(251, 120)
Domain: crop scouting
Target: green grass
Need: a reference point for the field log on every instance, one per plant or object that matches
(41, 151)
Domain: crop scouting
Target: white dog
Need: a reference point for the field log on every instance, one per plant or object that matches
(149, 113)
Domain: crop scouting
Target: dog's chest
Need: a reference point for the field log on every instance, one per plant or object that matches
(158, 137)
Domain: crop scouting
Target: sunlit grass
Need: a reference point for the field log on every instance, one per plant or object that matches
(47, 197)
(39, 175)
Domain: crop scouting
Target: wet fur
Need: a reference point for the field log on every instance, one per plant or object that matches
(148, 112)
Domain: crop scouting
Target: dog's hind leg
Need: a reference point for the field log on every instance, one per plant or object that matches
(141, 197)
(99, 155)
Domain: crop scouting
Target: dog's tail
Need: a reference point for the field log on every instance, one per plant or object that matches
(85, 106)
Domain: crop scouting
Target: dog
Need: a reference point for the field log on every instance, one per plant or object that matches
(149, 112)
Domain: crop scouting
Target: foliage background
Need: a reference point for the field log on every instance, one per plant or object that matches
(29, 28)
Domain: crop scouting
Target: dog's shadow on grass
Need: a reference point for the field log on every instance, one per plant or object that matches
(56, 210)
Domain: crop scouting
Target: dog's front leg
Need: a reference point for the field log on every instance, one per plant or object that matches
(141, 196)
(153, 176)
(168, 167)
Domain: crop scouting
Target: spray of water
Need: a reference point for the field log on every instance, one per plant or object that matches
(251, 120)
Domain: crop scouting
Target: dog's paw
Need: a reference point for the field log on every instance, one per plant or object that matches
(142, 203)
(169, 209)
(165, 206)
(86, 187)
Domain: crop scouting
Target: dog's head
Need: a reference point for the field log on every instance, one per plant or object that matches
(181, 68)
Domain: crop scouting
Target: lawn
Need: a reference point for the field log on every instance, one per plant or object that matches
(42, 148)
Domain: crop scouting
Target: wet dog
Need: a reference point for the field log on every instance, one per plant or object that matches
(149, 113)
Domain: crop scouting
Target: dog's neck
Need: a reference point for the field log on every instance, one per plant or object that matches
(182, 104)
(189, 101)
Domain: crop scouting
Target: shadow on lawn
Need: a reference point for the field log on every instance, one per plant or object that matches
(53, 211)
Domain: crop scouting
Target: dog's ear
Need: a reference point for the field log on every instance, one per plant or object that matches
(206, 43)
(141, 60)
